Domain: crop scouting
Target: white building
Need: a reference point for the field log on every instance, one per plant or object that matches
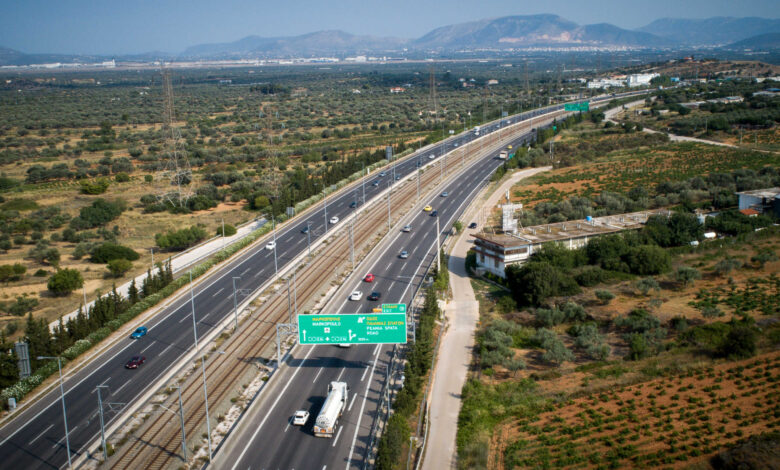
(606, 83)
(641, 79)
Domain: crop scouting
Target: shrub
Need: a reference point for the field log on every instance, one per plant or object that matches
(686, 275)
(109, 251)
(99, 213)
(12, 272)
(122, 177)
(65, 281)
(727, 265)
(118, 267)
(534, 282)
(604, 296)
(506, 304)
(645, 285)
(740, 342)
(229, 230)
(23, 305)
(97, 186)
(180, 239)
(648, 259)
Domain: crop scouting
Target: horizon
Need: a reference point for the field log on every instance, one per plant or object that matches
(92, 28)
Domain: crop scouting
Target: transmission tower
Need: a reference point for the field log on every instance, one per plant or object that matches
(174, 175)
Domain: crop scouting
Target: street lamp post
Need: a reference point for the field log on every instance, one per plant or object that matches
(64, 410)
(102, 423)
(276, 264)
(308, 235)
(203, 367)
(235, 302)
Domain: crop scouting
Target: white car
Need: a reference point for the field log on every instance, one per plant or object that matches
(407, 228)
(270, 246)
(357, 295)
(334, 220)
(300, 417)
(344, 345)
(430, 157)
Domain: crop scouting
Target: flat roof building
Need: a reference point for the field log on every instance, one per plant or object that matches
(497, 251)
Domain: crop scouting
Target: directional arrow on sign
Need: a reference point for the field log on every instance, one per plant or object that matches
(351, 336)
(304, 335)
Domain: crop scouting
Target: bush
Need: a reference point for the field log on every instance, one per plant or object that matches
(506, 304)
(533, 283)
(99, 213)
(109, 251)
(23, 305)
(648, 259)
(604, 296)
(180, 239)
(229, 230)
(687, 275)
(740, 342)
(65, 281)
(647, 284)
(118, 267)
(122, 177)
(97, 186)
(12, 272)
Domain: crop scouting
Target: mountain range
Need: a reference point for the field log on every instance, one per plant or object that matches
(509, 32)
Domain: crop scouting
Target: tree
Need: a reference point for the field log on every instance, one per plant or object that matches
(533, 283)
(23, 305)
(727, 265)
(645, 285)
(98, 186)
(119, 266)
(132, 293)
(686, 275)
(513, 365)
(604, 296)
(648, 259)
(109, 251)
(740, 342)
(12, 272)
(229, 230)
(65, 281)
(764, 256)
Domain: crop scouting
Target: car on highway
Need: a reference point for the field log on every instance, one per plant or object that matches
(300, 418)
(369, 278)
(376, 295)
(344, 345)
(353, 204)
(334, 220)
(375, 183)
(404, 254)
(445, 194)
(431, 157)
(134, 362)
(305, 230)
(455, 144)
(382, 174)
(427, 208)
(418, 164)
(270, 245)
(434, 213)
(139, 332)
(397, 177)
(407, 228)
(473, 225)
(356, 295)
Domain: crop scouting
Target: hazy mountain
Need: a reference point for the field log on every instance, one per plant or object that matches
(760, 42)
(14, 57)
(533, 30)
(318, 43)
(714, 31)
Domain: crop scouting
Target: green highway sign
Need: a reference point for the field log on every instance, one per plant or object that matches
(353, 328)
(393, 308)
(584, 106)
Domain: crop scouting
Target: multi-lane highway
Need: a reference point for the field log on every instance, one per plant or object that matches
(35, 437)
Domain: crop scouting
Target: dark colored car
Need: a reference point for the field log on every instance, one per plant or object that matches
(473, 225)
(353, 204)
(134, 362)
(375, 183)
(434, 213)
(305, 229)
(375, 295)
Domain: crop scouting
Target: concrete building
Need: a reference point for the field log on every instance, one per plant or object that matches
(606, 83)
(497, 251)
(761, 200)
(641, 79)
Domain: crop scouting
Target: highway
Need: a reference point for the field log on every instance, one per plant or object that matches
(275, 443)
(35, 438)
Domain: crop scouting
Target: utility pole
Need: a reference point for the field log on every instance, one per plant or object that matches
(289, 302)
(223, 232)
(363, 183)
(203, 367)
(389, 190)
(276, 264)
(102, 422)
(325, 204)
(295, 295)
(438, 246)
(181, 421)
(64, 410)
(351, 245)
(308, 234)
(418, 184)
(235, 302)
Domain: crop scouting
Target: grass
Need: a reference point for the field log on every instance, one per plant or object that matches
(19, 204)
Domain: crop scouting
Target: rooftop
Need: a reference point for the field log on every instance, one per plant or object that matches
(764, 193)
(572, 229)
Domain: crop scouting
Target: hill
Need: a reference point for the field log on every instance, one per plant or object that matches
(714, 31)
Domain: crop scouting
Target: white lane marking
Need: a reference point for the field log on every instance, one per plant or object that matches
(342, 373)
(185, 317)
(288, 424)
(245, 271)
(338, 434)
(376, 349)
(360, 416)
(56, 444)
(324, 467)
(364, 374)
(251, 440)
(354, 395)
(163, 351)
(258, 273)
(150, 345)
(41, 434)
(121, 387)
(217, 292)
(318, 374)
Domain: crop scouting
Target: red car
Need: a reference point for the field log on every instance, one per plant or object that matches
(134, 362)
(369, 277)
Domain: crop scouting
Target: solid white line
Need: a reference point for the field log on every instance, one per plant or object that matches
(352, 402)
(144, 349)
(376, 349)
(338, 434)
(41, 434)
(251, 440)
(318, 374)
(217, 292)
(360, 416)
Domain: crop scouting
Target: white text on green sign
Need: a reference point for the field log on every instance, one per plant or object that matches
(352, 328)
(393, 308)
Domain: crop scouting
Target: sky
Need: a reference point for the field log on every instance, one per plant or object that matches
(116, 27)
